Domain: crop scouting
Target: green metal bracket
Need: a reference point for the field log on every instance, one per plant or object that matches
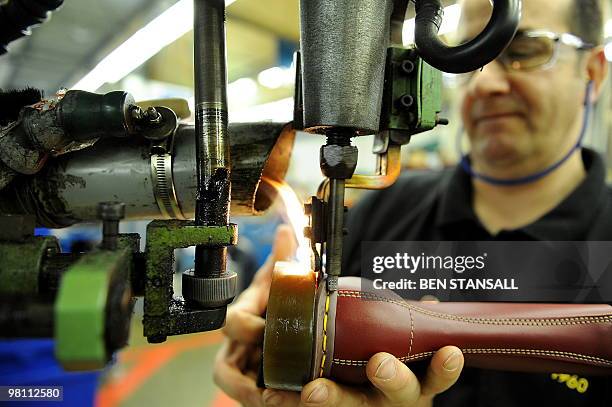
(163, 314)
(80, 308)
(412, 99)
(21, 263)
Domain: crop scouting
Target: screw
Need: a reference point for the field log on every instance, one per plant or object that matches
(407, 66)
(110, 213)
(406, 101)
(441, 121)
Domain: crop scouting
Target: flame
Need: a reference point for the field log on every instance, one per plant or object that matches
(297, 219)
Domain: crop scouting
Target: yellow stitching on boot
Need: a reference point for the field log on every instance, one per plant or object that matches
(324, 335)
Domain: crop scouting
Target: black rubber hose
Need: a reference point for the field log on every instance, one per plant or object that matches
(474, 54)
(17, 16)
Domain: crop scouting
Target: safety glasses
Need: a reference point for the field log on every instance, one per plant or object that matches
(538, 49)
(535, 50)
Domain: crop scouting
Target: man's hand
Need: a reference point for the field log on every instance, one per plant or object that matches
(393, 384)
(237, 362)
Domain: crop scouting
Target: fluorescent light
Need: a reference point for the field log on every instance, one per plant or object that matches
(140, 47)
(450, 22)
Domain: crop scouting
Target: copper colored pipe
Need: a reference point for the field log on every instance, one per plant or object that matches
(388, 168)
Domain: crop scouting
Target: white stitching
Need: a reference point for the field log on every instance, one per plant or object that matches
(579, 320)
(528, 352)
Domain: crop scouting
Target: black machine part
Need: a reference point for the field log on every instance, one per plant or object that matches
(474, 54)
(18, 16)
(325, 109)
(87, 115)
(74, 121)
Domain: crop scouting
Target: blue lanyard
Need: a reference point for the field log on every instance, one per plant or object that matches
(467, 167)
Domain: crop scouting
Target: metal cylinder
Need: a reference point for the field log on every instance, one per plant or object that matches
(343, 49)
(212, 147)
(335, 230)
(70, 187)
(110, 213)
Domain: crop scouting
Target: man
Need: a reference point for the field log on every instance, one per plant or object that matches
(524, 181)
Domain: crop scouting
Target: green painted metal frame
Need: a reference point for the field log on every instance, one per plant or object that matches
(423, 84)
(165, 315)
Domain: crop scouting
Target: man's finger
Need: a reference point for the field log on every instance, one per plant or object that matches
(254, 299)
(443, 371)
(236, 385)
(243, 326)
(395, 381)
(323, 393)
(278, 398)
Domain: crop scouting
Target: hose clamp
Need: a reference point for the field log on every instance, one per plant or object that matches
(163, 187)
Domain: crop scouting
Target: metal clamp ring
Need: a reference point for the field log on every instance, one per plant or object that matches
(163, 186)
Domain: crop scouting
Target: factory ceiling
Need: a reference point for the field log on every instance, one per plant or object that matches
(82, 32)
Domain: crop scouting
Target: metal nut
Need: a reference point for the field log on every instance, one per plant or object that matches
(338, 161)
(210, 292)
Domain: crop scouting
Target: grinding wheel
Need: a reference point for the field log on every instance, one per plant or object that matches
(292, 339)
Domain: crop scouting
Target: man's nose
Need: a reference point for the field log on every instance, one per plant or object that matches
(490, 81)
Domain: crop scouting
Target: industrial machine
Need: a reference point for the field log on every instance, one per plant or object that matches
(81, 156)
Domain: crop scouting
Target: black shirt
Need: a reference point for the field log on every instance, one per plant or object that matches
(438, 206)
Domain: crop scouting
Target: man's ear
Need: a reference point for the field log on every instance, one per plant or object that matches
(597, 70)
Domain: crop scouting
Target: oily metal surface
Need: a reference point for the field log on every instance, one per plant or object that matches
(71, 186)
(290, 323)
(343, 46)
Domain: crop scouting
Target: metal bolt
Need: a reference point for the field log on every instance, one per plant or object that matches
(110, 213)
(407, 66)
(406, 101)
(441, 121)
(153, 116)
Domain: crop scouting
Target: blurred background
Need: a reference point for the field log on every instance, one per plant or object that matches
(146, 48)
